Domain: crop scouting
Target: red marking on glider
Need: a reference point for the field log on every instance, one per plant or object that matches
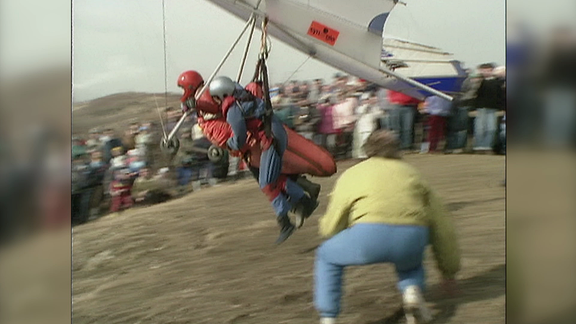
(323, 33)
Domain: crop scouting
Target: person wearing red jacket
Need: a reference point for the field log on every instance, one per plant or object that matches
(120, 191)
(402, 117)
(285, 192)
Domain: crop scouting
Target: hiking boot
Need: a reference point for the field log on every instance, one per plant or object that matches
(415, 307)
(313, 189)
(304, 209)
(286, 229)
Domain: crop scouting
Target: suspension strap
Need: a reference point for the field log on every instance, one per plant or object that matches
(262, 71)
(264, 45)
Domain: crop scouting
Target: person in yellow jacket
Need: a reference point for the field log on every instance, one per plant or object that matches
(383, 211)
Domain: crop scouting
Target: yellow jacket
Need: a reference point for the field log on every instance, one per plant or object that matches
(388, 191)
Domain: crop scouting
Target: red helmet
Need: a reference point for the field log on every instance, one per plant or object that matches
(190, 81)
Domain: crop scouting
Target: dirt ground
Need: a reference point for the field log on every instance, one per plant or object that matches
(209, 257)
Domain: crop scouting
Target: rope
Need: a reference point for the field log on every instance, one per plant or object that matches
(301, 65)
(246, 49)
(165, 70)
(264, 43)
(165, 53)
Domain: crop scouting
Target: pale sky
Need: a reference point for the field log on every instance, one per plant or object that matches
(118, 45)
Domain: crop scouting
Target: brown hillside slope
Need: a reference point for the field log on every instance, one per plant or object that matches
(118, 110)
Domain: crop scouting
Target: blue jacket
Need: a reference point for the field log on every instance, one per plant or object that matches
(245, 107)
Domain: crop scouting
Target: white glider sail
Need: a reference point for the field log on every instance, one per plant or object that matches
(348, 35)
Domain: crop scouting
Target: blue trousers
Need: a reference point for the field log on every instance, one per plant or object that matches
(184, 175)
(458, 129)
(402, 122)
(484, 128)
(271, 168)
(187, 174)
(364, 244)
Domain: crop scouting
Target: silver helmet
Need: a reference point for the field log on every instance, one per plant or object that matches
(222, 87)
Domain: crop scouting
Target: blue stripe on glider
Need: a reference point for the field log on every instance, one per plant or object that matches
(446, 84)
(376, 26)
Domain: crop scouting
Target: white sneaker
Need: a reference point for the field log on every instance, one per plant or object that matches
(327, 320)
(424, 148)
(415, 306)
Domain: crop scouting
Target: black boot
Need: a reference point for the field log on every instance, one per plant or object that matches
(313, 189)
(304, 209)
(286, 229)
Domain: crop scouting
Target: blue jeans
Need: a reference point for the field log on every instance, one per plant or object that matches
(204, 171)
(484, 128)
(364, 244)
(402, 122)
(457, 129)
(385, 122)
(271, 167)
(184, 175)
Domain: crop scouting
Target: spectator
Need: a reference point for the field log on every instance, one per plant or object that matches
(109, 141)
(386, 107)
(326, 128)
(87, 177)
(118, 160)
(344, 119)
(120, 190)
(148, 190)
(438, 110)
(144, 143)
(284, 109)
(367, 119)
(136, 162)
(402, 117)
(97, 161)
(97, 175)
(78, 147)
(203, 167)
(93, 143)
(383, 211)
(184, 160)
(308, 120)
(315, 92)
(459, 120)
(488, 101)
(129, 139)
(499, 144)
(81, 188)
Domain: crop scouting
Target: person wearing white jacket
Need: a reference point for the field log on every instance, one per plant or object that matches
(368, 115)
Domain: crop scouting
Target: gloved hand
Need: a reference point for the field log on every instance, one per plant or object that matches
(235, 153)
(188, 105)
(250, 139)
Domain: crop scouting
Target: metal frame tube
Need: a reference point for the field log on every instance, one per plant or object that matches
(248, 42)
(206, 84)
(416, 84)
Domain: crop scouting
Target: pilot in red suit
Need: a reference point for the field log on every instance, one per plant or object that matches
(231, 117)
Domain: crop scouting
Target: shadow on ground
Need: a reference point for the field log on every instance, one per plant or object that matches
(493, 282)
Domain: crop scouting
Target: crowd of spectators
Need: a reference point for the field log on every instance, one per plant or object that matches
(338, 115)
(114, 173)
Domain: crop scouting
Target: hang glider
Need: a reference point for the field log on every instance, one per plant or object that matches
(349, 37)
